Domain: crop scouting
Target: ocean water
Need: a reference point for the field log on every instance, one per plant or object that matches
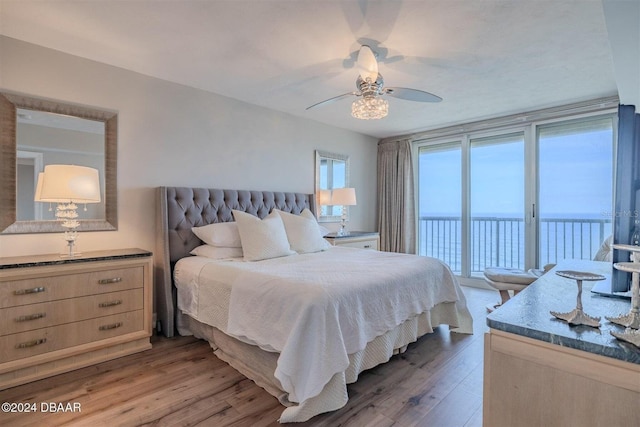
(498, 240)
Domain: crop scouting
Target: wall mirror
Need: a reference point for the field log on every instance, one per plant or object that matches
(332, 171)
(37, 132)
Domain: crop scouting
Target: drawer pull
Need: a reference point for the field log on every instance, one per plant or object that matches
(31, 317)
(109, 303)
(109, 281)
(367, 246)
(111, 326)
(31, 343)
(29, 291)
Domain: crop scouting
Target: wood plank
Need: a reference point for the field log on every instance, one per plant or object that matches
(207, 408)
(155, 404)
(475, 420)
(96, 376)
(456, 409)
(428, 389)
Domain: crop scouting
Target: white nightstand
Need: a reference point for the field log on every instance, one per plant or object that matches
(356, 239)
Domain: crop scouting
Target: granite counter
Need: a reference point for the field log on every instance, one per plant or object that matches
(528, 314)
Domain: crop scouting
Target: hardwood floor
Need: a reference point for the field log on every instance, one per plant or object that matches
(180, 382)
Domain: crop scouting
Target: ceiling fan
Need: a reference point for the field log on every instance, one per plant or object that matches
(370, 84)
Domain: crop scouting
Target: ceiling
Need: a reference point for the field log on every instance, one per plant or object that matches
(484, 58)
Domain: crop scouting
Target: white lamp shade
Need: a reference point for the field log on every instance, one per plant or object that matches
(343, 196)
(325, 197)
(66, 183)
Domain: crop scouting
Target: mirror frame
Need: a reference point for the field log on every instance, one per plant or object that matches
(333, 156)
(9, 103)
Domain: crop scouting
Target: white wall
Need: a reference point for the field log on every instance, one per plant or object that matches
(175, 135)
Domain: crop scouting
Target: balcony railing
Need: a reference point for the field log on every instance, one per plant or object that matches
(500, 241)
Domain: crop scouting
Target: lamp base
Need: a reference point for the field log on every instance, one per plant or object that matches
(343, 223)
(342, 233)
(67, 255)
(70, 236)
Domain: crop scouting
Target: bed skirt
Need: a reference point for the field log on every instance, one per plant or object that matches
(259, 365)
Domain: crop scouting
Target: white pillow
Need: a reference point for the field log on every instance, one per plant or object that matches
(303, 232)
(215, 252)
(222, 234)
(323, 230)
(262, 239)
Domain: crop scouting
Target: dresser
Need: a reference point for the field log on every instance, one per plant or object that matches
(539, 371)
(356, 239)
(59, 314)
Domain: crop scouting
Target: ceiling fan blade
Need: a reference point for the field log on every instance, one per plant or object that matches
(334, 99)
(467, 62)
(367, 64)
(311, 74)
(392, 59)
(411, 94)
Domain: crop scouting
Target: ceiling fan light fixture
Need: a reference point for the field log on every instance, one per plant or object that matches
(367, 64)
(370, 89)
(369, 107)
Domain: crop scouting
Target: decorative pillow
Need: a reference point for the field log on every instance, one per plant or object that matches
(262, 239)
(215, 252)
(323, 230)
(303, 232)
(222, 234)
(306, 213)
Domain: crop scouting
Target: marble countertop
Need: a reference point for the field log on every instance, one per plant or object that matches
(528, 315)
(57, 259)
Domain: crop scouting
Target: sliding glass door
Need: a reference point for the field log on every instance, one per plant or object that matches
(575, 173)
(440, 203)
(497, 202)
(516, 198)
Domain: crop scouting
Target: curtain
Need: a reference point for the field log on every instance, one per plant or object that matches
(627, 188)
(396, 198)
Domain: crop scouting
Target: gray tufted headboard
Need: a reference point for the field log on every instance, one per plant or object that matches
(180, 208)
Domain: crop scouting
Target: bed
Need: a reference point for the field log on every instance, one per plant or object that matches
(301, 326)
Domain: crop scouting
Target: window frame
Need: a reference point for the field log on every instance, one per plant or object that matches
(463, 135)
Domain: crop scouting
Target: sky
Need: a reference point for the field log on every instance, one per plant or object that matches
(575, 177)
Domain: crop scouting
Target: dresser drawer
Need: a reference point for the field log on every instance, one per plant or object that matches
(36, 316)
(31, 343)
(56, 287)
(360, 244)
(356, 240)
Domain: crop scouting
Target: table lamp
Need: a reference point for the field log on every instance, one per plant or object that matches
(68, 186)
(343, 197)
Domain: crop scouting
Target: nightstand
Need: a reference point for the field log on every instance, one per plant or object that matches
(356, 239)
(60, 314)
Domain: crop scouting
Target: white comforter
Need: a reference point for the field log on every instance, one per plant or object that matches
(316, 309)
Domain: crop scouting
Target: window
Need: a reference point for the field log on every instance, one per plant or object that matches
(496, 191)
(516, 197)
(575, 173)
(440, 201)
